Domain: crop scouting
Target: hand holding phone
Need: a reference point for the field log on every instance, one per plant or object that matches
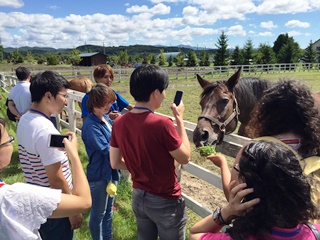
(55, 140)
(178, 97)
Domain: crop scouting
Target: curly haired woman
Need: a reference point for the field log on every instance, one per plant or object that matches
(287, 112)
(269, 198)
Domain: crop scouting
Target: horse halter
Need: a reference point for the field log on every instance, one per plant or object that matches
(223, 125)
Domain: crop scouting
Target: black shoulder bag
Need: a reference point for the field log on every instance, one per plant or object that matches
(10, 115)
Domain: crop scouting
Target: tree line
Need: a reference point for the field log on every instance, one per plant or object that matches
(284, 50)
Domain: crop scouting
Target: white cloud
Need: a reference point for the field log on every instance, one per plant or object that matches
(169, 1)
(231, 9)
(73, 30)
(11, 3)
(294, 33)
(236, 30)
(268, 25)
(315, 3)
(285, 7)
(159, 9)
(54, 7)
(189, 10)
(138, 9)
(297, 23)
(265, 34)
(152, 23)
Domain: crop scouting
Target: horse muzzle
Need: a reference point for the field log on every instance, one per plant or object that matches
(203, 137)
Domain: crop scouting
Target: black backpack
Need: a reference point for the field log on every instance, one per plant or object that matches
(10, 116)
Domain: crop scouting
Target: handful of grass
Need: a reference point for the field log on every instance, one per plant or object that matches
(206, 150)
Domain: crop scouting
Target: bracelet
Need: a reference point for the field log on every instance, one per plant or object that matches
(217, 217)
(221, 218)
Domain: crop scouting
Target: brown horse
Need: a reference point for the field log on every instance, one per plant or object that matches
(81, 84)
(224, 103)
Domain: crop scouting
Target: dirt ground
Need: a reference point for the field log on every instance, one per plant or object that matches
(204, 193)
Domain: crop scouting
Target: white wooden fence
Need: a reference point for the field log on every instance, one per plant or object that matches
(230, 145)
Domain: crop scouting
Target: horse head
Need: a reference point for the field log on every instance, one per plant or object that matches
(219, 111)
(81, 84)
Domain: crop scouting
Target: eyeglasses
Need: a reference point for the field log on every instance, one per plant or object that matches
(236, 167)
(66, 96)
(11, 139)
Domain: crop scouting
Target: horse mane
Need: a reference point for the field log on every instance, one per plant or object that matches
(249, 90)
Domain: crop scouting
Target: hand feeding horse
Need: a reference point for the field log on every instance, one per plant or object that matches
(224, 103)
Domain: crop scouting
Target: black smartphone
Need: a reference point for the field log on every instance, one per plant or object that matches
(55, 140)
(178, 97)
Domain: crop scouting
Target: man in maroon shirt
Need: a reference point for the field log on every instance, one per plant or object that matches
(148, 146)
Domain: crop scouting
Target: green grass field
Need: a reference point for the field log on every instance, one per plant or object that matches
(123, 222)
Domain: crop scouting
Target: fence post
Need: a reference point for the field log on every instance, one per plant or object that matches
(2, 80)
(71, 115)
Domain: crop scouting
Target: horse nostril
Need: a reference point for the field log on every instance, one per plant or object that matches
(204, 135)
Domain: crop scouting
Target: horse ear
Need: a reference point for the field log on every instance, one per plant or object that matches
(203, 83)
(233, 80)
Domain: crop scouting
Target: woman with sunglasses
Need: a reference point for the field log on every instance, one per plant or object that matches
(24, 207)
(269, 198)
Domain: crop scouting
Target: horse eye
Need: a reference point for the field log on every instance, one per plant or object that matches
(224, 101)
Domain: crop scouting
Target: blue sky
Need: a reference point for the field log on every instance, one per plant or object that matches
(70, 23)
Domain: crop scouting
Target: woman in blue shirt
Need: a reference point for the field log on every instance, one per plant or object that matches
(104, 74)
(96, 134)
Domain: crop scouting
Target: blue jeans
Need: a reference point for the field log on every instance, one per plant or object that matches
(56, 228)
(100, 223)
(159, 216)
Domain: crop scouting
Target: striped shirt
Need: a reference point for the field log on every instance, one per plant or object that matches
(34, 154)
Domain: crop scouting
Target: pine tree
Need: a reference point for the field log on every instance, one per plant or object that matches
(123, 58)
(179, 60)
(204, 58)
(1, 52)
(192, 59)
(153, 59)
(162, 58)
(310, 54)
(237, 56)
(289, 52)
(222, 54)
(265, 55)
(170, 61)
(248, 52)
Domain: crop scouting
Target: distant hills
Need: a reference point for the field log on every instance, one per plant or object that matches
(31, 49)
(131, 50)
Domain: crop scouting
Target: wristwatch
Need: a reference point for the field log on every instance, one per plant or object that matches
(217, 217)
